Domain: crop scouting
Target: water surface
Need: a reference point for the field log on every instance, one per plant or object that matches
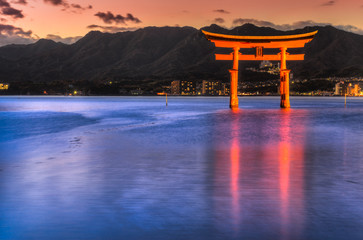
(131, 168)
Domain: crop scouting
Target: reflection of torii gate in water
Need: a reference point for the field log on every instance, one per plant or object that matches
(259, 43)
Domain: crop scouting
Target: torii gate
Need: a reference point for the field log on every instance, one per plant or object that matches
(259, 43)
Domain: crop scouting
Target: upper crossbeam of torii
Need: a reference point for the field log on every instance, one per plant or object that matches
(259, 43)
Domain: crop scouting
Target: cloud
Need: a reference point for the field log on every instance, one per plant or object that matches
(295, 25)
(350, 28)
(68, 6)
(10, 34)
(9, 11)
(110, 18)
(56, 2)
(111, 29)
(219, 20)
(77, 6)
(4, 3)
(12, 30)
(221, 11)
(329, 3)
(22, 2)
(241, 21)
(68, 40)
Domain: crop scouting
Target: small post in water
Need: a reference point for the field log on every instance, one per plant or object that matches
(345, 100)
(166, 97)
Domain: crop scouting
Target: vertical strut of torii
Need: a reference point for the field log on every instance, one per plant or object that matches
(259, 43)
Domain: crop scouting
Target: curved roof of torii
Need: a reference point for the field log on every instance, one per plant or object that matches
(265, 41)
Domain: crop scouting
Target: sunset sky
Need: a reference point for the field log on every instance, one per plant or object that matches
(24, 21)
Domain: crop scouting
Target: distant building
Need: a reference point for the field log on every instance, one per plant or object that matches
(351, 89)
(226, 89)
(265, 64)
(78, 93)
(175, 87)
(4, 86)
(137, 91)
(340, 88)
(183, 87)
(213, 88)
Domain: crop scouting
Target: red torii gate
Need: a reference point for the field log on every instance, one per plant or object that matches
(259, 43)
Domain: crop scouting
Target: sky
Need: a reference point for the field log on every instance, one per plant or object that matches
(26, 21)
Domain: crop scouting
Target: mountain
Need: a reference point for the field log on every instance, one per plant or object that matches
(169, 53)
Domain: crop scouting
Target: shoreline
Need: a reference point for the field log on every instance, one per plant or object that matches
(181, 96)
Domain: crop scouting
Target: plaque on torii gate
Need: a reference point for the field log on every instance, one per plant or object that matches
(259, 43)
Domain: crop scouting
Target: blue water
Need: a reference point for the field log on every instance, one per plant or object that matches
(132, 168)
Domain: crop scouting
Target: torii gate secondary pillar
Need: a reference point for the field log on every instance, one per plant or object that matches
(284, 81)
(233, 101)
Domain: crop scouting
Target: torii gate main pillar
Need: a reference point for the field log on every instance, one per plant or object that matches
(233, 101)
(284, 81)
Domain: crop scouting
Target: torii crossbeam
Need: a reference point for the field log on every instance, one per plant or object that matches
(259, 43)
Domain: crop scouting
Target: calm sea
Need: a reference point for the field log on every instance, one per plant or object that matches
(132, 168)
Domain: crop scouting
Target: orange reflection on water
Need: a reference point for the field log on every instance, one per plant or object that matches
(235, 169)
(291, 157)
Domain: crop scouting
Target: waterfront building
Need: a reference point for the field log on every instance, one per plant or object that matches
(175, 87)
(338, 88)
(341, 88)
(213, 88)
(351, 89)
(183, 87)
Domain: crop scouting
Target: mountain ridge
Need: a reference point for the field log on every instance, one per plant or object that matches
(169, 53)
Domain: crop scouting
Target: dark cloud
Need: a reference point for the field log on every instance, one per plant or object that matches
(9, 11)
(68, 40)
(22, 2)
(10, 34)
(110, 18)
(219, 20)
(329, 3)
(241, 21)
(350, 28)
(295, 25)
(12, 30)
(221, 11)
(77, 6)
(284, 27)
(56, 2)
(4, 3)
(67, 6)
(111, 28)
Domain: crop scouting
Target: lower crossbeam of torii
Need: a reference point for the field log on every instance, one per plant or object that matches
(259, 43)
